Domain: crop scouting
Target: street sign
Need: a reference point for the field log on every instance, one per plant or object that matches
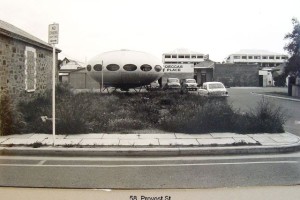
(53, 33)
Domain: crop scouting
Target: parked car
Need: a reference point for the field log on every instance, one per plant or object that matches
(172, 84)
(213, 89)
(153, 86)
(188, 85)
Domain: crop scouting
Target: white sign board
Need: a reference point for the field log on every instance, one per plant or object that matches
(179, 68)
(53, 34)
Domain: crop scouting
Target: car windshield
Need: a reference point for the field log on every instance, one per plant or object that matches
(173, 80)
(191, 81)
(215, 86)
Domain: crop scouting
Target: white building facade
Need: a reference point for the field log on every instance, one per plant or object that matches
(261, 57)
(183, 56)
(180, 63)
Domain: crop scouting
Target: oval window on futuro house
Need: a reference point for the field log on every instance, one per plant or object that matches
(89, 67)
(130, 67)
(98, 67)
(158, 68)
(112, 67)
(146, 68)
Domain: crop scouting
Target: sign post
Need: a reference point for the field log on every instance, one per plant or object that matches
(53, 39)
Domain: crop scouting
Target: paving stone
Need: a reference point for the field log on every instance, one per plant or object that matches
(120, 136)
(49, 141)
(3, 139)
(109, 142)
(18, 136)
(178, 142)
(41, 136)
(265, 140)
(139, 142)
(86, 136)
(247, 140)
(220, 141)
(228, 135)
(157, 136)
(193, 136)
(288, 139)
(19, 141)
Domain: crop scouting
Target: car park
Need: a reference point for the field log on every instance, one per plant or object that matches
(188, 85)
(172, 84)
(213, 89)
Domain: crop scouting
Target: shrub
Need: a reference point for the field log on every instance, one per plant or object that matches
(11, 121)
(175, 112)
(265, 118)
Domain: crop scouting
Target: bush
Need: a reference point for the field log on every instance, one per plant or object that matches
(265, 118)
(175, 112)
(11, 121)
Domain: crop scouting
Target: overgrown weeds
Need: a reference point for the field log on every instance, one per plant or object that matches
(175, 112)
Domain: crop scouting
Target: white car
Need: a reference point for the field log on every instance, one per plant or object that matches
(188, 85)
(213, 89)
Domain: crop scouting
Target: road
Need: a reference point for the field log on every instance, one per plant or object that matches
(150, 173)
(247, 98)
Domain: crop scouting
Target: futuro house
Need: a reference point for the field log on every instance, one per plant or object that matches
(125, 69)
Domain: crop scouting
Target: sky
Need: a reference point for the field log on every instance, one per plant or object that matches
(215, 27)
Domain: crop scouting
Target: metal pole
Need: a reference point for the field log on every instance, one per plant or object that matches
(102, 77)
(53, 96)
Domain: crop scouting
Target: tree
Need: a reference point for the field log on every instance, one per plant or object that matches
(293, 48)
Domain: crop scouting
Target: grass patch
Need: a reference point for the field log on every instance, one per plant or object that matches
(125, 112)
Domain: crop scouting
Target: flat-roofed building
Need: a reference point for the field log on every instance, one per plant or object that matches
(183, 56)
(261, 57)
(180, 64)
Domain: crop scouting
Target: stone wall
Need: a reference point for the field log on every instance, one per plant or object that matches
(237, 74)
(14, 61)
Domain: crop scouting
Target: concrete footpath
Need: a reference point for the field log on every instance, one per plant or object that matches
(148, 144)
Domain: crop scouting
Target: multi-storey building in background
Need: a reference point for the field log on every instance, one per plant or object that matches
(183, 56)
(261, 57)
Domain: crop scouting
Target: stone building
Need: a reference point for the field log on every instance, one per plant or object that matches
(243, 75)
(25, 63)
(232, 75)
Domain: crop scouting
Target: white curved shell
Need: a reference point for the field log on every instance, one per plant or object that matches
(122, 78)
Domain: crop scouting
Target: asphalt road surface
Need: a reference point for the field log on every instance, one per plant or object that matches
(248, 98)
(150, 173)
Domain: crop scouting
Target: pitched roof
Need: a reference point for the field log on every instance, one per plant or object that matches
(205, 64)
(17, 33)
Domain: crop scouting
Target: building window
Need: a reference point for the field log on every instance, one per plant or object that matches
(30, 69)
(98, 67)
(278, 57)
(256, 57)
(250, 57)
(236, 57)
(181, 56)
(244, 57)
(89, 67)
(112, 67)
(193, 56)
(158, 68)
(187, 56)
(167, 56)
(284, 57)
(146, 68)
(264, 57)
(199, 56)
(174, 56)
(130, 67)
(271, 57)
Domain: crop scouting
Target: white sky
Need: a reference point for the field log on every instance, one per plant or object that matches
(214, 27)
